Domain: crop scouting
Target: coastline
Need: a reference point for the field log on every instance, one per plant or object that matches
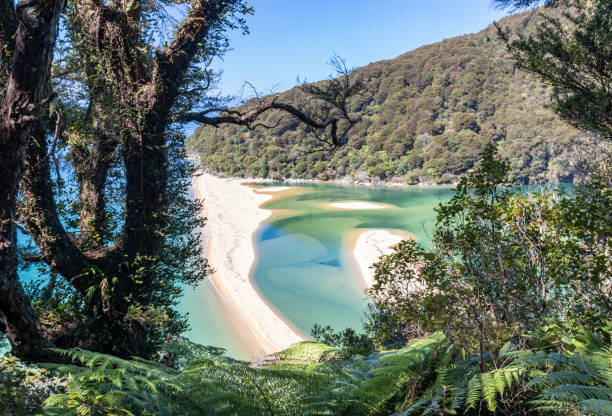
(347, 181)
(368, 246)
(234, 215)
(234, 212)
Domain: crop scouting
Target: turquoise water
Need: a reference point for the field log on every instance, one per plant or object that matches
(209, 321)
(305, 267)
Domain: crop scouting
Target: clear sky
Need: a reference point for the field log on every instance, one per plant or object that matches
(291, 37)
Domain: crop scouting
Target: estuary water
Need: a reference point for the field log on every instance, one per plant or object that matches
(305, 268)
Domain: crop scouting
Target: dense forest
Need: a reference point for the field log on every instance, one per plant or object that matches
(507, 311)
(423, 118)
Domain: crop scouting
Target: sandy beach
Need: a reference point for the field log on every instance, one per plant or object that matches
(233, 216)
(369, 247)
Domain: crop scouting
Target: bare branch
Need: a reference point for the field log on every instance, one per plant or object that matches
(247, 118)
(335, 93)
(59, 126)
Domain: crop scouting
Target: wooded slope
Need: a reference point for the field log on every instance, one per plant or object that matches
(426, 115)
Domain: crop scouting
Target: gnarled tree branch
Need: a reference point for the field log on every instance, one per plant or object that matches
(23, 93)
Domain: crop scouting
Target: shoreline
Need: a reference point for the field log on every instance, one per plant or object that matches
(235, 211)
(346, 181)
(234, 216)
(369, 245)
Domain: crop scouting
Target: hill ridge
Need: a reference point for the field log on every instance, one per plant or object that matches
(427, 114)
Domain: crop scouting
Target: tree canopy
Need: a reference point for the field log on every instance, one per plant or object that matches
(424, 118)
(93, 141)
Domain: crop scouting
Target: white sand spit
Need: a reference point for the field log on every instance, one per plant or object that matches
(369, 247)
(273, 188)
(356, 205)
(233, 216)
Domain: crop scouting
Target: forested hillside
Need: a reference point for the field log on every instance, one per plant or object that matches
(425, 116)
(506, 311)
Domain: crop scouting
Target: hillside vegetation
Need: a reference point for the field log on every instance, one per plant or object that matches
(425, 116)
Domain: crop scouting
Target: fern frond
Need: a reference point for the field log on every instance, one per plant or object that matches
(596, 407)
(474, 392)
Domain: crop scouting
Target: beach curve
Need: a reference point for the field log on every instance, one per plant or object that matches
(369, 247)
(233, 215)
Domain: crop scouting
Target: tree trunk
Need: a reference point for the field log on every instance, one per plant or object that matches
(18, 317)
(22, 96)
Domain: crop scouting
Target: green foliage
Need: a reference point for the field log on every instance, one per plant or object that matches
(180, 262)
(347, 342)
(575, 381)
(304, 353)
(107, 385)
(23, 389)
(424, 118)
(501, 264)
(428, 376)
(152, 316)
(211, 384)
(391, 380)
(5, 345)
(573, 55)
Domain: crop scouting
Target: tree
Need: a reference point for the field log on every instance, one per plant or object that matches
(27, 37)
(502, 264)
(122, 241)
(575, 60)
(573, 54)
(462, 285)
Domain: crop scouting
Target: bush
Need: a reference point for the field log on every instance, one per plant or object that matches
(348, 342)
(502, 264)
(23, 389)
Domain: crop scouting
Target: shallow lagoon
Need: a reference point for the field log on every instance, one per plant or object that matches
(304, 267)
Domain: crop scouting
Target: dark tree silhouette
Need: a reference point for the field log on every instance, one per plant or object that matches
(574, 61)
(27, 37)
(121, 82)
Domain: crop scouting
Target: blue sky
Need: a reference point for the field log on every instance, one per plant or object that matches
(290, 37)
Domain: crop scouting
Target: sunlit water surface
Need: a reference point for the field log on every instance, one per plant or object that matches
(304, 267)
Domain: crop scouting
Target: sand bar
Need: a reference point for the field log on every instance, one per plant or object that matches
(233, 216)
(369, 247)
(273, 188)
(356, 205)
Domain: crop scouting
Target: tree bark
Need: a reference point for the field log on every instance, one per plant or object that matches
(23, 94)
(92, 168)
(132, 94)
(8, 28)
(39, 215)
